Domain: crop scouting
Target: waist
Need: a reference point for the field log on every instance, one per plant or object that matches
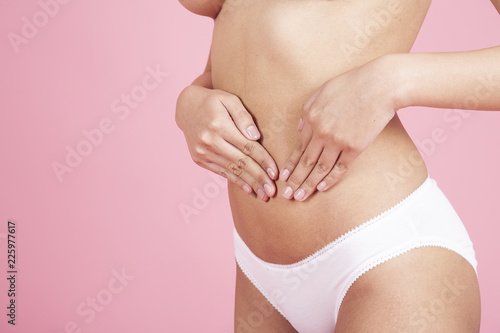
(273, 55)
(285, 231)
(263, 44)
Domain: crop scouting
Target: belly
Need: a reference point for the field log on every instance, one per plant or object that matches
(274, 54)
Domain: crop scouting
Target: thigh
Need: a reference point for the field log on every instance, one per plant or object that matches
(253, 312)
(428, 289)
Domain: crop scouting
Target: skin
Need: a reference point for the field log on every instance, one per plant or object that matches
(274, 62)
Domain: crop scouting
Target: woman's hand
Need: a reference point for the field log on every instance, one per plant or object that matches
(338, 122)
(221, 136)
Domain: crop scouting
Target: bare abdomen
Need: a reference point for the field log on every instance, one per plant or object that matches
(274, 54)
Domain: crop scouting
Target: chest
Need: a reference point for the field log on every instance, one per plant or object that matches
(204, 7)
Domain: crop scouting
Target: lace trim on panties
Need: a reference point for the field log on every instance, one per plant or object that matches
(387, 257)
(257, 285)
(349, 233)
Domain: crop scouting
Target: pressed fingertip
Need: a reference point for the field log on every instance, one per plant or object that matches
(247, 188)
(261, 194)
(271, 173)
(299, 195)
(287, 192)
(253, 132)
(268, 189)
(284, 174)
(321, 186)
(301, 124)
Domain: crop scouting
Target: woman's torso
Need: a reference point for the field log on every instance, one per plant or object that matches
(274, 54)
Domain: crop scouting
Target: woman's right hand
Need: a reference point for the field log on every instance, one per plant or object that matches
(222, 137)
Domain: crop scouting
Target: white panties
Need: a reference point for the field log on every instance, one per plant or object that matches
(309, 293)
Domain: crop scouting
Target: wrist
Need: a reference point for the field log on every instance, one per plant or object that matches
(398, 71)
(184, 103)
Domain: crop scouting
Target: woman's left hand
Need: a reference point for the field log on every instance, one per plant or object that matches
(338, 122)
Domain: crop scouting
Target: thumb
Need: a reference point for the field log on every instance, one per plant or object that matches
(241, 117)
(305, 109)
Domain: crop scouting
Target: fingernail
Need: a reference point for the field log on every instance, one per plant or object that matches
(299, 195)
(284, 174)
(260, 193)
(247, 188)
(253, 132)
(271, 173)
(321, 186)
(287, 192)
(301, 124)
(268, 189)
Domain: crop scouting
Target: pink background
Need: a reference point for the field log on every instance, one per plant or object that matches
(120, 208)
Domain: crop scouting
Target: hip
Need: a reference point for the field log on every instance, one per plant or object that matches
(286, 231)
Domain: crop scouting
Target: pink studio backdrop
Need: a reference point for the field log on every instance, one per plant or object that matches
(102, 246)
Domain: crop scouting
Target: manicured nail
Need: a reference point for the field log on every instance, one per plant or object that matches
(247, 188)
(271, 173)
(321, 186)
(284, 174)
(287, 192)
(301, 124)
(253, 132)
(268, 189)
(299, 195)
(260, 193)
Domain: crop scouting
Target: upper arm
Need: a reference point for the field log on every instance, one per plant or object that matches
(496, 3)
(208, 8)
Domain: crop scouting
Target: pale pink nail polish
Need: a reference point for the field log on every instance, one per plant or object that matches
(260, 193)
(247, 188)
(271, 173)
(301, 124)
(287, 192)
(300, 194)
(321, 186)
(253, 132)
(284, 174)
(268, 189)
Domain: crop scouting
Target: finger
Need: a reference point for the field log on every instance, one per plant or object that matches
(232, 170)
(300, 126)
(302, 171)
(230, 176)
(310, 102)
(241, 117)
(253, 149)
(339, 169)
(322, 168)
(243, 166)
(305, 109)
(294, 158)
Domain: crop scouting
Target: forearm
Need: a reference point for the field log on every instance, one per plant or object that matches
(454, 80)
(186, 96)
(204, 80)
